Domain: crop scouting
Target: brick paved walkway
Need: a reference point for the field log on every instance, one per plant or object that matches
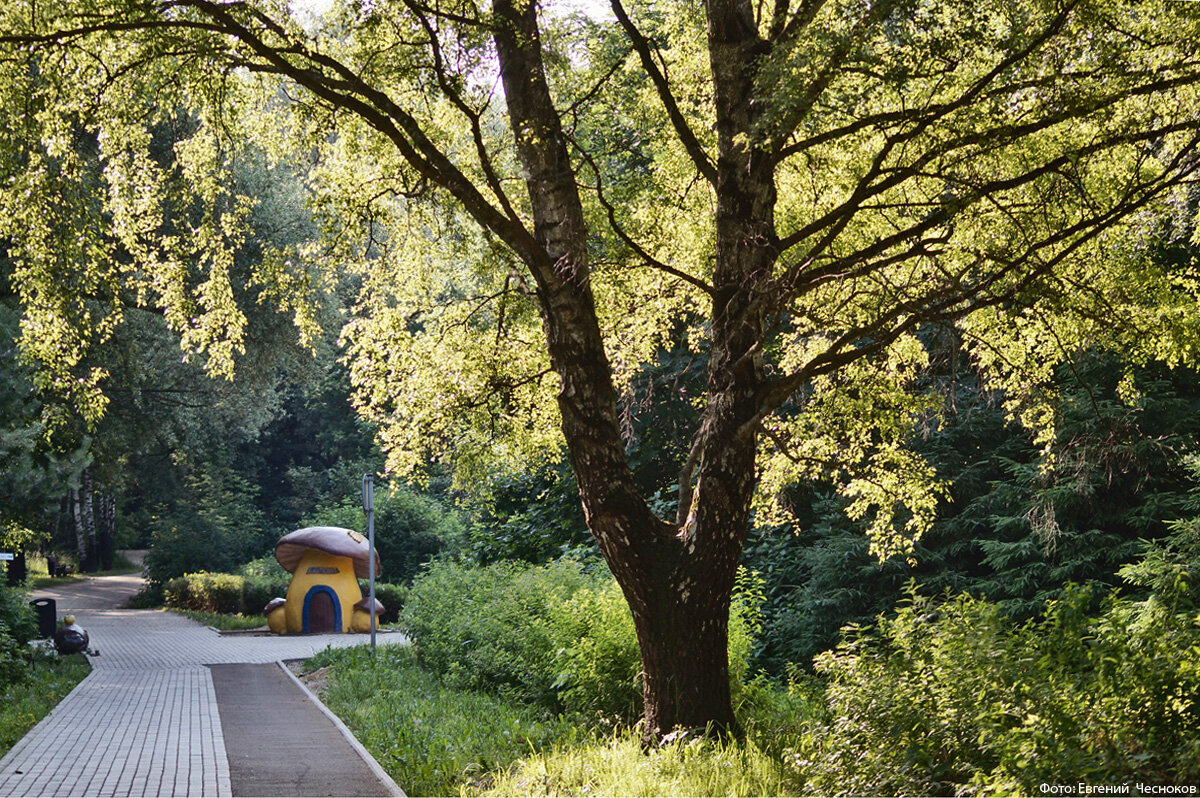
(145, 722)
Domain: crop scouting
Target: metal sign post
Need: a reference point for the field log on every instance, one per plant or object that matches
(368, 493)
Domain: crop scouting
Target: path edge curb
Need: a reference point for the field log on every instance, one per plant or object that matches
(358, 747)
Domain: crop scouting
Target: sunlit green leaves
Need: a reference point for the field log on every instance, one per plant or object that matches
(445, 356)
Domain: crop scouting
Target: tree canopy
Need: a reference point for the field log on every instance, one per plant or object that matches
(539, 204)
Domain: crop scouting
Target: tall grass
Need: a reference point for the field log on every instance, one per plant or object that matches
(439, 740)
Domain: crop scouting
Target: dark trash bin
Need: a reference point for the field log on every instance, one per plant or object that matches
(47, 611)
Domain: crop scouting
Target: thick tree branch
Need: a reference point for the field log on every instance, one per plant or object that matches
(350, 92)
(683, 130)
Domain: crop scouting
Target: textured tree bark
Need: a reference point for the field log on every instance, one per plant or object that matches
(677, 579)
(81, 539)
(682, 617)
(83, 511)
(106, 529)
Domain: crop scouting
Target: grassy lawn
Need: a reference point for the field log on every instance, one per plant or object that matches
(431, 739)
(25, 703)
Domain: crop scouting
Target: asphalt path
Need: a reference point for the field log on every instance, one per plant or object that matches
(278, 741)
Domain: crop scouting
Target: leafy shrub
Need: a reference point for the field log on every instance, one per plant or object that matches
(777, 715)
(554, 634)
(535, 517)
(16, 614)
(205, 592)
(410, 529)
(265, 566)
(215, 525)
(258, 590)
(489, 628)
(14, 658)
(596, 671)
(956, 697)
(391, 596)
(151, 595)
(18, 625)
(188, 548)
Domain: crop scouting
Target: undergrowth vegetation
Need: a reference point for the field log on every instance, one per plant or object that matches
(431, 738)
(954, 697)
(522, 681)
(32, 681)
(557, 635)
(44, 683)
(617, 765)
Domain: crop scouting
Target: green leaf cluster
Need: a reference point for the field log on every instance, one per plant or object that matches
(952, 696)
(553, 635)
(1011, 528)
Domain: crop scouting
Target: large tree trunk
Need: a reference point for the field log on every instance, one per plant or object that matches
(677, 578)
(682, 623)
(677, 584)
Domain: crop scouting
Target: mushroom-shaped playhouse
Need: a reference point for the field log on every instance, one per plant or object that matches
(326, 563)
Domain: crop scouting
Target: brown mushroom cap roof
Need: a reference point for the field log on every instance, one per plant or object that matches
(366, 602)
(329, 539)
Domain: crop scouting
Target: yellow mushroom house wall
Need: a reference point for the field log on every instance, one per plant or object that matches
(321, 574)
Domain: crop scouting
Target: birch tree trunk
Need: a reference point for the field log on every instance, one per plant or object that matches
(84, 514)
(105, 529)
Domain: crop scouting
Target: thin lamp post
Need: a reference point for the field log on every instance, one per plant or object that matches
(368, 493)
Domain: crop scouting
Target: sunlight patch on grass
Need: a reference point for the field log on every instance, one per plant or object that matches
(617, 766)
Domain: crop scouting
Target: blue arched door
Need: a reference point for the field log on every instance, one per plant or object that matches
(322, 611)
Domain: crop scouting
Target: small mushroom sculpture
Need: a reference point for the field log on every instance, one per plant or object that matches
(276, 621)
(361, 621)
(323, 596)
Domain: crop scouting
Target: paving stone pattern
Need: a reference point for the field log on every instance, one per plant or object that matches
(145, 721)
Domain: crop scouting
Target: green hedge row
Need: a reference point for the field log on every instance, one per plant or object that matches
(248, 594)
(18, 626)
